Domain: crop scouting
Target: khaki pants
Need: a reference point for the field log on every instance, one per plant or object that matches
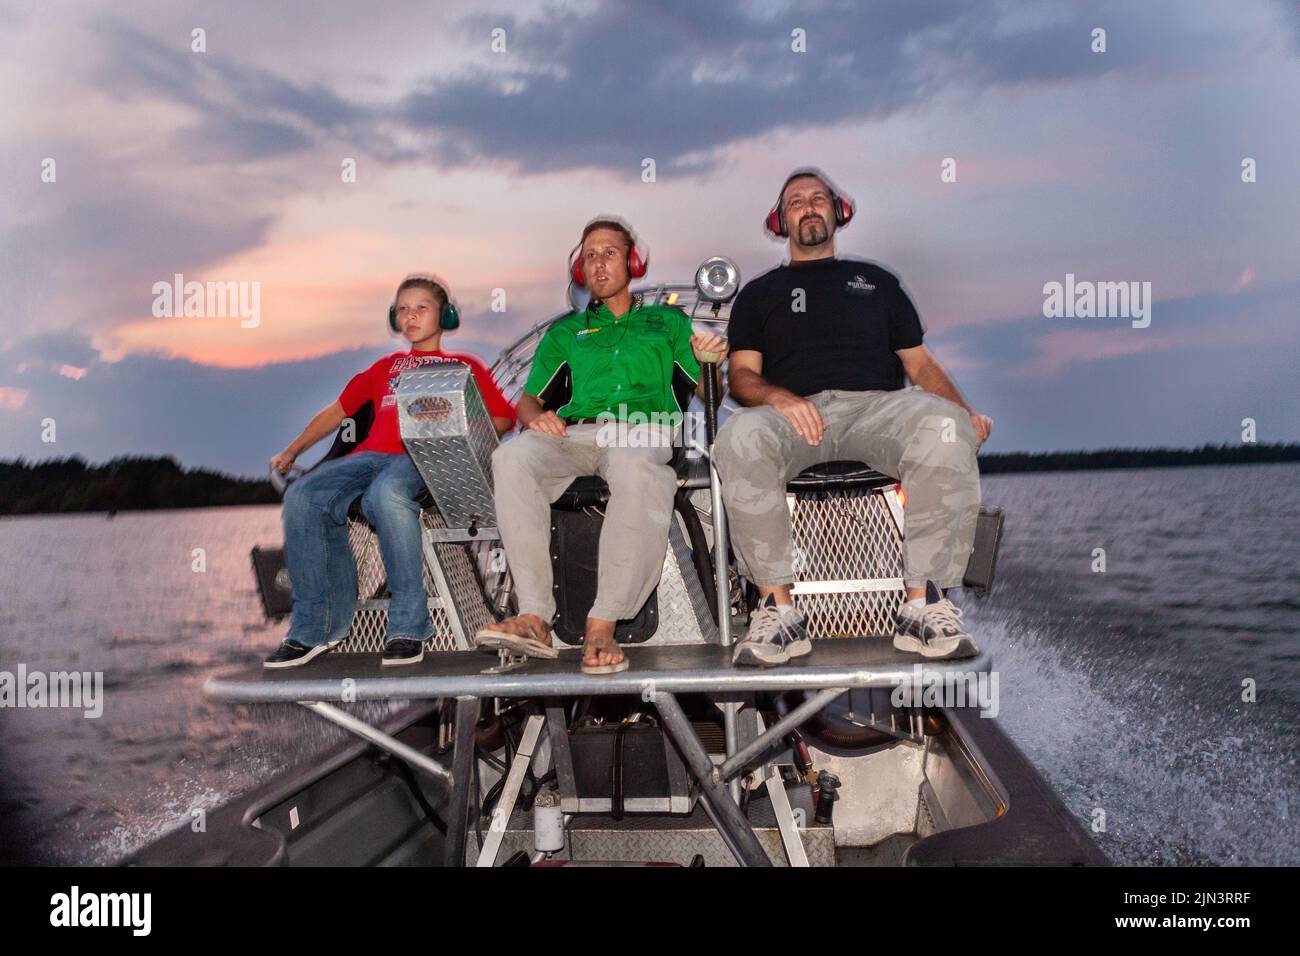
(925, 441)
(532, 469)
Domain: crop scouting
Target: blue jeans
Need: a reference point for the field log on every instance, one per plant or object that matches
(319, 557)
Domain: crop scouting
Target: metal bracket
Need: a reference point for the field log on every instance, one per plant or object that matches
(508, 662)
(510, 794)
(785, 822)
(462, 535)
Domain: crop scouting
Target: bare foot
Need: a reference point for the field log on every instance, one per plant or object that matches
(599, 649)
(526, 625)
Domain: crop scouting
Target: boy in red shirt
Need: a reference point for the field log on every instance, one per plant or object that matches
(317, 552)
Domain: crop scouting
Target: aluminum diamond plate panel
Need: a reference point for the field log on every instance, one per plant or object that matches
(658, 838)
(449, 434)
(684, 616)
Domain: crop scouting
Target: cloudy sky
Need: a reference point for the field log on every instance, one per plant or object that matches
(482, 164)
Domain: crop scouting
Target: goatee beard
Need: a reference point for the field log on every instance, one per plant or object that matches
(812, 234)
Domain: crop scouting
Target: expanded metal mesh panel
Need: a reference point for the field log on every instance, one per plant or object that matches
(848, 561)
(370, 621)
(850, 614)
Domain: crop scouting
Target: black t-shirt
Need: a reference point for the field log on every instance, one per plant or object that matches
(855, 315)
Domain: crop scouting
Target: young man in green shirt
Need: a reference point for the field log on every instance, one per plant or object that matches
(599, 399)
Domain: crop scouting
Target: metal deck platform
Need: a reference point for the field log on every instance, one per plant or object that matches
(679, 669)
(657, 674)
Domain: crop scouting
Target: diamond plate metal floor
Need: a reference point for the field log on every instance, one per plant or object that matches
(663, 838)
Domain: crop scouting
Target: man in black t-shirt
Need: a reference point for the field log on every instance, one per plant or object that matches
(820, 348)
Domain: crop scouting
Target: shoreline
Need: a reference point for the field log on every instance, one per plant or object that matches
(1018, 463)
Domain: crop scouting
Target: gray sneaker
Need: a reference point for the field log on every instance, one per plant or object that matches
(934, 629)
(775, 635)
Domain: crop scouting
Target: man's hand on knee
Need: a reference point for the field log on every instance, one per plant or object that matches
(802, 415)
(548, 423)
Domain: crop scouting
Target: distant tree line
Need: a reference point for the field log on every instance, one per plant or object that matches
(141, 483)
(123, 484)
(1138, 458)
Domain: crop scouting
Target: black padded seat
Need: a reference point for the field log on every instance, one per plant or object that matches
(586, 491)
(837, 474)
(590, 491)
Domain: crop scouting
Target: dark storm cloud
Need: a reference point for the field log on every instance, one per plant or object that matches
(668, 79)
(664, 80)
(610, 86)
(231, 419)
(51, 349)
(108, 233)
(99, 258)
(246, 112)
(1213, 360)
(145, 404)
(1215, 319)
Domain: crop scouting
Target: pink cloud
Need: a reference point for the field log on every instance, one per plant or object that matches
(1244, 281)
(12, 398)
(1056, 350)
(331, 292)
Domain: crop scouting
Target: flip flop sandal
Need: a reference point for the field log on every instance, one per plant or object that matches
(605, 668)
(491, 639)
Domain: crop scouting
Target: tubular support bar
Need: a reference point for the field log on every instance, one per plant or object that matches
(462, 772)
(382, 740)
(732, 825)
(722, 584)
(738, 761)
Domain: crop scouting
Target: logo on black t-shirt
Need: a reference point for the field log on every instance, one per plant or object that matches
(859, 285)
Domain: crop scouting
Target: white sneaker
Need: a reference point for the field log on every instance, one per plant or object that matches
(776, 634)
(934, 629)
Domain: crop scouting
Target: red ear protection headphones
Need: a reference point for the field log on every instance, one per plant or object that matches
(638, 259)
(843, 206)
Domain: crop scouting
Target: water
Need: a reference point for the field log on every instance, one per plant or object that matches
(1123, 687)
(124, 597)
